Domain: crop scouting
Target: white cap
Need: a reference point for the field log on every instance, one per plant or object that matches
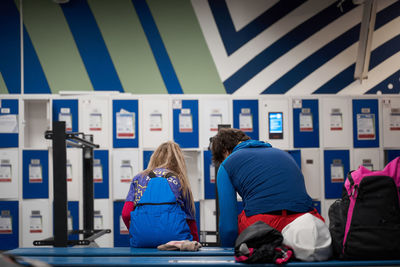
(309, 237)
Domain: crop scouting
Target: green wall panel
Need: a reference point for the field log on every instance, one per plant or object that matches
(128, 46)
(186, 46)
(55, 46)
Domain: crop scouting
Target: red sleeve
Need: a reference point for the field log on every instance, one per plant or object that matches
(126, 212)
(193, 229)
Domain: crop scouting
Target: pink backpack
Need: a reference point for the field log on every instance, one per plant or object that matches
(365, 223)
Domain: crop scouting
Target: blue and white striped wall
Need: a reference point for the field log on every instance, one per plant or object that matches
(294, 47)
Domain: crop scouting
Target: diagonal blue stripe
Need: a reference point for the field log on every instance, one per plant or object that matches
(383, 85)
(10, 59)
(35, 81)
(324, 54)
(157, 46)
(346, 77)
(284, 44)
(91, 45)
(233, 39)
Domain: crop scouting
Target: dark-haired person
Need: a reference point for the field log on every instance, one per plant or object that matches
(272, 188)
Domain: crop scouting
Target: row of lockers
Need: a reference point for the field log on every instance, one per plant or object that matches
(128, 162)
(148, 121)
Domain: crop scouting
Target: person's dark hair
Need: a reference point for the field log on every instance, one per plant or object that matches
(225, 141)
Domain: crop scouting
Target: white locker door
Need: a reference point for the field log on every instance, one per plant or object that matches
(310, 166)
(156, 122)
(125, 167)
(368, 157)
(208, 220)
(212, 112)
(193, 164)
(74, 173)
(94, 118)
(391, 122)
(36, 221)
(336, 122)
(103, 220)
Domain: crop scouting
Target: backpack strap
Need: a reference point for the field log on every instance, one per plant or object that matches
(153, 175)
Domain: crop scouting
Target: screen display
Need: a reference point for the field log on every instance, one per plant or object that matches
(275, 122)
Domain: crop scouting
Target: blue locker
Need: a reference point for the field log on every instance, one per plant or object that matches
(365, 123)
(146, 158)
(296, 154)
(73, 209)
(317, 205)
(186, 124)
(9, 113)
(306, 124)
(336, 168)
(121, 236)
(100, 174)
(391, 155)
(35, 174)
(66, 110)
(245, 117)
(9, 234)
(209, 176)
(126, 117)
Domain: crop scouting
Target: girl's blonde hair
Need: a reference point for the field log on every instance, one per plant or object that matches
(170, 156)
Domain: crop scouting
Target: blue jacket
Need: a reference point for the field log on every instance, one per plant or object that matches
(267, 179)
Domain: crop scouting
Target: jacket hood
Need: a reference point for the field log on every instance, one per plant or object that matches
(250, 143)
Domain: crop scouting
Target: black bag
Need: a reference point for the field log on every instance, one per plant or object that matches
(260, 243)
(365, 223)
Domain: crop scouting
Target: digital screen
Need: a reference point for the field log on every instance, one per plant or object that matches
(275, 122)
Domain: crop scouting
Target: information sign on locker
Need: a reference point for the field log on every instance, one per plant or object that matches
(186, 122)
(9, 173)
(367, 157)
(310, 166)
(365, 123)
(212, 113)
(336, 122)
(9, 234)
(125, 167)
(100, 174)
(391, 122)
(8, 122)
(94, 119)
(121, 232)
(125, 123)
(36, 220)
(274, 122)
(66, 110)
(305, 123)
(102, 220)
(155, 117)
(35, 174)
(336, 168)
(245, 117)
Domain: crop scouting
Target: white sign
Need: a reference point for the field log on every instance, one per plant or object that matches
(246, 120)
(125, 124)
(185, 121)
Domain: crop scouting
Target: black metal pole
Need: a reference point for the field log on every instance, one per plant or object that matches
(60, 185)
(88, 189)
